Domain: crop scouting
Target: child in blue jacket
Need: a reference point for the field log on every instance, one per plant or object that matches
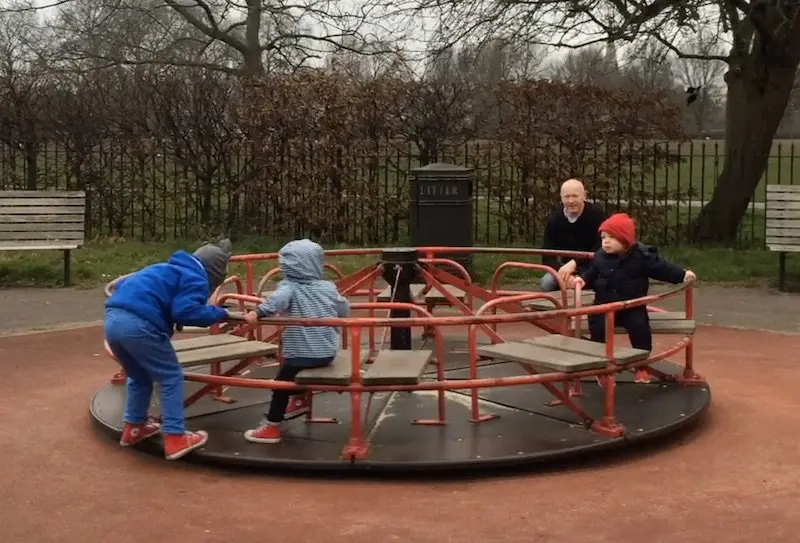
(302, 293)
(140, 319)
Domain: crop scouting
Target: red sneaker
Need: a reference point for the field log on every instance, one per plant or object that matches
(266, 433)
(134, 433)
(177, 445)
(298, 405)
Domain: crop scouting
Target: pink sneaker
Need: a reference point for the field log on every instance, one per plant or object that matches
(266, 433)
(179, 445)
(298, 405)
(134, 433)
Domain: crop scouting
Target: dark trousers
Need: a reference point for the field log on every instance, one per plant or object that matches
(635, 321)
(287, 372)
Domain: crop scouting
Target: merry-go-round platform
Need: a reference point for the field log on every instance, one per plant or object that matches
(439, 393)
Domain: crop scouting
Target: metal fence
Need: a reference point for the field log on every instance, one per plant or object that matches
(155, 192)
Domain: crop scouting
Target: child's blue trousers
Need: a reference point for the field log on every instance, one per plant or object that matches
(147, 355)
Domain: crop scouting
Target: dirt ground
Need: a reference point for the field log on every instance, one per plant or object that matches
(734, 479)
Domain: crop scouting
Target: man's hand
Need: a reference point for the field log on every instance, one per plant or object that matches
(565, 271)
(689, 276)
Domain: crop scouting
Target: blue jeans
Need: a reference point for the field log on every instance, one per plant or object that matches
(147, 355)
(548, 283)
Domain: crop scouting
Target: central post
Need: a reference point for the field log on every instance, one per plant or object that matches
(400, 270)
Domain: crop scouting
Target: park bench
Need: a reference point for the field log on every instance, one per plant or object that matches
(558, 353)
(43, 221)
(783, 224)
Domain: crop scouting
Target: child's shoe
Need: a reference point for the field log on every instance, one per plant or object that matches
(298, 405)
(134, 433)
(179, 445)
(266, 433)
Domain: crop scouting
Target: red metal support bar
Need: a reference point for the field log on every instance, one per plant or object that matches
(531, 266)
(473, 363)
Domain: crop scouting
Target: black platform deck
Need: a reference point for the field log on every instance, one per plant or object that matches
(527, 430)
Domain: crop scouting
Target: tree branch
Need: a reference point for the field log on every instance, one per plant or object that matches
(212, 30)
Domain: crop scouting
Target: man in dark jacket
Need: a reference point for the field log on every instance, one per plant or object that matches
(571, 227)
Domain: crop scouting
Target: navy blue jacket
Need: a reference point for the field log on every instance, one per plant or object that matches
(627, 276)
(169, 294)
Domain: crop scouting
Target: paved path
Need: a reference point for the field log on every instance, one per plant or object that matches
(42, 309)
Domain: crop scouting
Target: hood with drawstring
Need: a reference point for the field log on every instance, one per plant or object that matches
(302, 260)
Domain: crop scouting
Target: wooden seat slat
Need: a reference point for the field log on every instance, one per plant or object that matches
(208, 340)
(397, 368)
(661, 322)
(622, 355)
(542, 357)
(221, 353)
(337, 372)
(435, 295)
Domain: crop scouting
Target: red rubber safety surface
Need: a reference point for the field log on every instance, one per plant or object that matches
(734, 479)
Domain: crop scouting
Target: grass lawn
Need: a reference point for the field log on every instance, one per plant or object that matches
(97, 263)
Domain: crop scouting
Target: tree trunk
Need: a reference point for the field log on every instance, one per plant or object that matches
(759, 88)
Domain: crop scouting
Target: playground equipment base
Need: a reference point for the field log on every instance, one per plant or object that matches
(527, 430)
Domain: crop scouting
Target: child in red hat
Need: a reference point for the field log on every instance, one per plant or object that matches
(621, 270)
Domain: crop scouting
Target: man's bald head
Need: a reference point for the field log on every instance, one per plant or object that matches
(573, 196)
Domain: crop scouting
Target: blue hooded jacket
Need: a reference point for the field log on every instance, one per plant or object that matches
(303, 293)
(168, 294)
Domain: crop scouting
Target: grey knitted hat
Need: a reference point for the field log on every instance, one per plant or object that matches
(215, 260)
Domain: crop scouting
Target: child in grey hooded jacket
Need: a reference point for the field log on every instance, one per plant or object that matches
(302, 293)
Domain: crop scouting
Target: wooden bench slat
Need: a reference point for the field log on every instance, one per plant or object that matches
(435, 295)
(784, 248)
(781, 206)
(397, 368)
(542, 357)
(661, 322)
(784, 222)
(784, 196)
(43, 236)
(37, 245)
(783, 240)
(41, 227)
(386, 294)
(42, 194)
(21, 220)
(208, 340)
(51, 201)
(622, 355)
(41, 210)
(221, 353)
(337, 372)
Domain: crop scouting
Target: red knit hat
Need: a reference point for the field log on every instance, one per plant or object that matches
(621, 227)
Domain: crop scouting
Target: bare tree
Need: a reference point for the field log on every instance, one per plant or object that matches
(762, 58)
(241, 37)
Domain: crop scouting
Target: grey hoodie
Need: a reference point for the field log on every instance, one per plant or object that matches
(303, 293)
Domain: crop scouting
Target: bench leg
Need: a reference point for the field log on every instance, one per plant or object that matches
(781, 271)
(67, 268)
